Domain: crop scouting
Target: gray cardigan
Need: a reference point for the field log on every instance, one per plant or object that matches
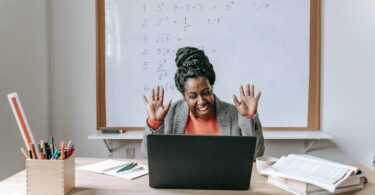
(230, 122)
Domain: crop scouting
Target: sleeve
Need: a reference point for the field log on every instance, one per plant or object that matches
(253, 127)
(154, 124)
(148, 130)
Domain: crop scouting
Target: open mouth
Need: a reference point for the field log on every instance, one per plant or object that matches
(203, 109)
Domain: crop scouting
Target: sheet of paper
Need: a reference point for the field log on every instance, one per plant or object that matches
(103, 166)
(110, 167)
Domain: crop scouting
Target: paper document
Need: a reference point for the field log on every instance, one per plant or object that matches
(111, 167)
(309, 169)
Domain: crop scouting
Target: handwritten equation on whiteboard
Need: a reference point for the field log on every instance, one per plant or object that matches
(168, 9)
(164, 26)
(260, 41)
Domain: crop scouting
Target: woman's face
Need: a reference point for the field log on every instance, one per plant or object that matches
(199, 96)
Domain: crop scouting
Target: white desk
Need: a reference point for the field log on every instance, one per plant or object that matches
(310, 137)
(88, 183)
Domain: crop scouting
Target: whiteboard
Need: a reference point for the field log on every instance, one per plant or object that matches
(264, 42)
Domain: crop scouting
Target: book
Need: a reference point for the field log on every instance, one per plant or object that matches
(111, 167)
(315, 192)
(302, 186)
(310, 169)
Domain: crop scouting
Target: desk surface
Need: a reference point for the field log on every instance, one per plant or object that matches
(268, 135)
(93, 183)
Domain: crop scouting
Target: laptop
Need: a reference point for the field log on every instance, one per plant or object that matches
(200, 162)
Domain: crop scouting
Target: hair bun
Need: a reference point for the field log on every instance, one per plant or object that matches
(192, 63)
(186, 55)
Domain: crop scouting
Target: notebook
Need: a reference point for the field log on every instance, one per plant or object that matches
(200, 162)
(111, 167)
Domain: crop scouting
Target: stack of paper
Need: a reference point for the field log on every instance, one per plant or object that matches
(111, 167)
(306, 174)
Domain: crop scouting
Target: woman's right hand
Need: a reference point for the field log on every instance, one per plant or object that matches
(155, 109)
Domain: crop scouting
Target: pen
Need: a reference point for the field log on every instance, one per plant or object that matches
(133, 170)
(55, 154)
(127, 167)
(52, 145)
(24, 153)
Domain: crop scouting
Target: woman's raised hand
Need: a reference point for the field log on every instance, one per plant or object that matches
(248, 104)
(155, 109)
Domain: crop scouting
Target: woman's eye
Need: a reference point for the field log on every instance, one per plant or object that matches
(206, 93)
(192, 97)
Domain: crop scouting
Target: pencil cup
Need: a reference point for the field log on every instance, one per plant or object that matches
(50, 176)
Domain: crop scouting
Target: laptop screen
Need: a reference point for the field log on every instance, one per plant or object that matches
(200, 162)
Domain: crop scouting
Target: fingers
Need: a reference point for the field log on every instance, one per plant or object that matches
(161, 94)
(166, 108)
(258, 95)
(152, 94)
(145, 100)
(235, 100)
(248, 91)
(242, 92)
(251, 90)
(156, 94)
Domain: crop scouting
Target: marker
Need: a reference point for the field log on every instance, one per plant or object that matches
(48, 151)
(71, 151)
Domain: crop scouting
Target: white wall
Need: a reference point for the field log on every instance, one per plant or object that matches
(23, 69)
(348, 76)
(73, 74)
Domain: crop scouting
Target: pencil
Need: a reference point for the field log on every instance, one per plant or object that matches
(33, 152)
(24, 153)
(68, 146)
(62, 147)
(43, 148)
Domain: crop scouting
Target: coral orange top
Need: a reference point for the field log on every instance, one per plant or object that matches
(198, 126)
(195, 126)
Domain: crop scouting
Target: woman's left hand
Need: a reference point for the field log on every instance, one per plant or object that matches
(248, 104)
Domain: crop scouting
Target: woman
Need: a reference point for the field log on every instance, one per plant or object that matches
(200, 112)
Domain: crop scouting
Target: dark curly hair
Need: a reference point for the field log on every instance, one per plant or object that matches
(192, 63)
